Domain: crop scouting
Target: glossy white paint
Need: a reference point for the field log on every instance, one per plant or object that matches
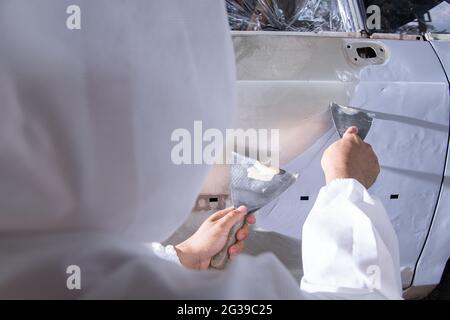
(437, 248)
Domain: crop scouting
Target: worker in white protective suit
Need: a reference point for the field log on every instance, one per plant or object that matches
(86, 180)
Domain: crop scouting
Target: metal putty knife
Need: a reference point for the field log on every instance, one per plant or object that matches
(346, 117)
(252, 185)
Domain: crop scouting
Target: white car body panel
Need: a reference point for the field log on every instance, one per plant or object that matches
(437, 247)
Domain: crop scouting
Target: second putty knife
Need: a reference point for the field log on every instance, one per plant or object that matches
(253, 185)
(346, 117)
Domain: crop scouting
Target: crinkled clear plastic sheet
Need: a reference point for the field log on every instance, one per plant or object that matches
(290, 15)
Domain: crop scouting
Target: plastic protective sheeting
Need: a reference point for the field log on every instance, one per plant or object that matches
(290, 15)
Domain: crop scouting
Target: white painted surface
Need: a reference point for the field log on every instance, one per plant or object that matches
(437, 248)
(287, 82)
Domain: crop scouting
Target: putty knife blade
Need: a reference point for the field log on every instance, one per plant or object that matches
(346, 117)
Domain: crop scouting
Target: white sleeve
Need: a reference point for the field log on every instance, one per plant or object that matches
(167, 253)
(349, 247)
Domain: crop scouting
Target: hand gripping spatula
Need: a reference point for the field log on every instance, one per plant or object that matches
(253, 185)
(346, 117)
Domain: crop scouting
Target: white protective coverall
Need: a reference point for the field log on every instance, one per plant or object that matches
(86, 177)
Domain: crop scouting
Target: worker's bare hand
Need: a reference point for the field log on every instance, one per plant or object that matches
(197, 251)
(351, 157)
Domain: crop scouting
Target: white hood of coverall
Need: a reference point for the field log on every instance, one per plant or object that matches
(87, 115)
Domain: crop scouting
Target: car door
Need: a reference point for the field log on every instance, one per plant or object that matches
(436, 251)
(287, 81)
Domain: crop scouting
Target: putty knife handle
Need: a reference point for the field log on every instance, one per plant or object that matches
(220, 260)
